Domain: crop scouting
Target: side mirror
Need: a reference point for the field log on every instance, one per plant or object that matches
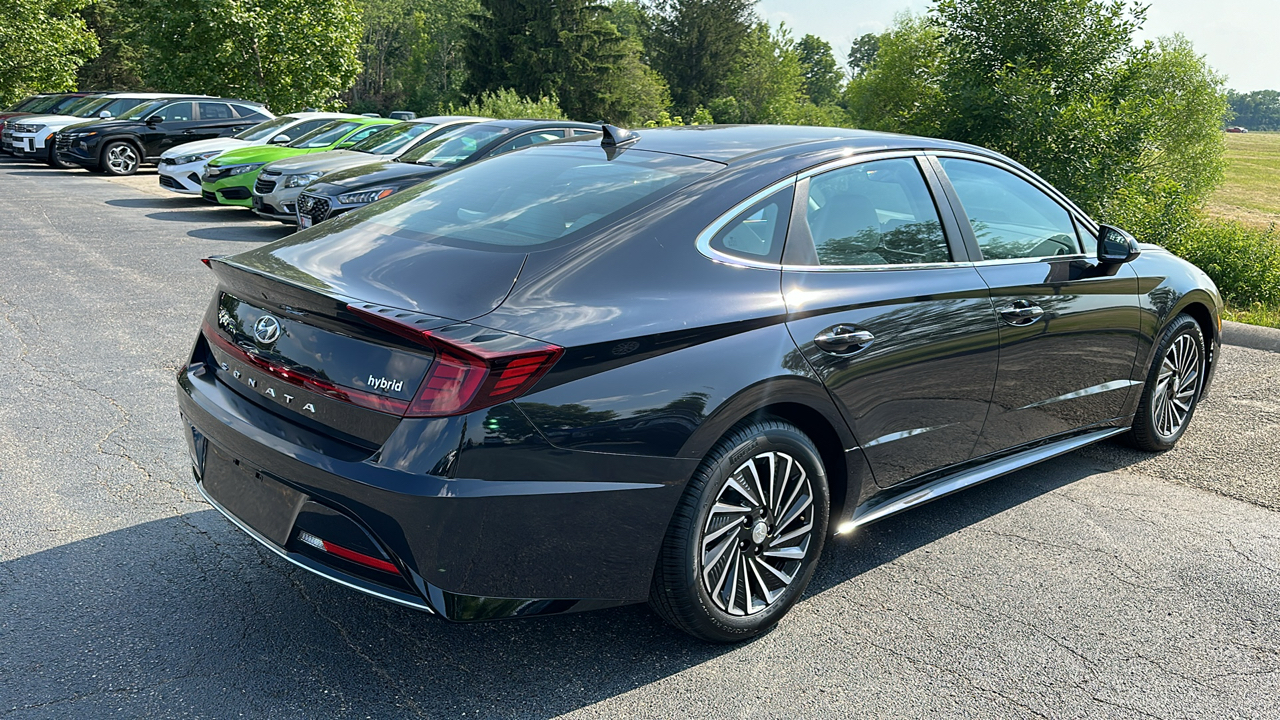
(104, 114)
(153, 121)
(280, 139)
(1116, 247)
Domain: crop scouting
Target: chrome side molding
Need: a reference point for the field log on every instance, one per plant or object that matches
(874, 510)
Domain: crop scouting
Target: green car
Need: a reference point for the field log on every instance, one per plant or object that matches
(228, 178)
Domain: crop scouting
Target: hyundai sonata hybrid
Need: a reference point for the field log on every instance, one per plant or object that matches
(668, 366)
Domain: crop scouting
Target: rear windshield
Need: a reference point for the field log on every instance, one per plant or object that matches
(264, 129)
(457, 146)
(535, 196)
(393, 138)
(325, 135)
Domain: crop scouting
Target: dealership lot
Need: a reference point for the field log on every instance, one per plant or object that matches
(1106, 583)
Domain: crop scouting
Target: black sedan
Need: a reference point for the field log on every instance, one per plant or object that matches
(344, 191)
(668, 367)
(119, 146)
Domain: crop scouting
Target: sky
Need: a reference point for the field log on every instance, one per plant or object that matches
(1237, 37)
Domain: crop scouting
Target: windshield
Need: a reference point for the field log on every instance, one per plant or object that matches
(325, 135)
(30, 102)
(60, 106)
(534, 196)
(393, 138)
(88, 107)
(143, 110)
(42, 105)
(266, 129)
(455, 147)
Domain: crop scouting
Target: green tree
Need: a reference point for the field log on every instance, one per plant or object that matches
(42, 44)
(119, 64)
(1258, 110)
(767, 84)
(862, 53)
(822, 76)
(287, 53)
(696, 45)
(410, 54)
(569, 49)
(900, 91)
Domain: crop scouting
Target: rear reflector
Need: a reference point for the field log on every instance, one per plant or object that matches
(346, 553)
(467, 376)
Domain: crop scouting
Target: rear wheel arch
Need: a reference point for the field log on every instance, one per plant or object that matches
(802, 402)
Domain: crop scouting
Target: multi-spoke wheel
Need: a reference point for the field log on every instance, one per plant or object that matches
(746, 536)
(1173, 387)
(120, 158)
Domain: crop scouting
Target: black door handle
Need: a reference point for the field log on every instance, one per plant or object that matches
(1021, 312)
(843, 340)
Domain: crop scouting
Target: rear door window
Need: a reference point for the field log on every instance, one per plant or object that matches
(875, 213)
(215, 111)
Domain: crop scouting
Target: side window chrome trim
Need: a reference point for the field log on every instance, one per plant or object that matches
(1025, 261)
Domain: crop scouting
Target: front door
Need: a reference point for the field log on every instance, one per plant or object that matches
(889, 314)
(1069, 327)
(175, 124)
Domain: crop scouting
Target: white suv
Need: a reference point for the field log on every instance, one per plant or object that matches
(181, 166)
(32, 135)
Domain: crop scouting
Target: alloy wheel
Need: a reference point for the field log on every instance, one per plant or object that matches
(122, 159)
(757, 534)
(1176, 386)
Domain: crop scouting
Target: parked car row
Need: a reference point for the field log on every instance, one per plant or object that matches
(235, 152)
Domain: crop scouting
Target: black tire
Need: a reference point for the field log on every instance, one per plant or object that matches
(679, 593)
(1175, 380)
(120, 158)
(53, 160)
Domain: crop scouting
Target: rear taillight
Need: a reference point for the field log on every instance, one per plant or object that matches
(474, 368)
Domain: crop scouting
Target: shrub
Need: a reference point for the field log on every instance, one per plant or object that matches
(506, 104)
(1244, 261)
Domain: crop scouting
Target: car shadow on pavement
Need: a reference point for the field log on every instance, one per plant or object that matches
(256, 233)
(188, 612)
(161, 203)
(204, 215)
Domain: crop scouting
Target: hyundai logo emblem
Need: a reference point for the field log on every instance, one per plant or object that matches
(266, 330)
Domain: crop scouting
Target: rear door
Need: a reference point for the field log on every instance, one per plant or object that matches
(887, 309)
(1069, 328)
(218, 119)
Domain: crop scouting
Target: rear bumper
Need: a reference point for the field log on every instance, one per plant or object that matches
(480, 528)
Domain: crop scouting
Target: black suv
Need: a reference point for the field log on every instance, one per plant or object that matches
(119, 146)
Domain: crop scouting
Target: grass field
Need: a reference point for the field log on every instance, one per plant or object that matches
(1251, 192)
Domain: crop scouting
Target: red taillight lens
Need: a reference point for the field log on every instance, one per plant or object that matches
(466, 375)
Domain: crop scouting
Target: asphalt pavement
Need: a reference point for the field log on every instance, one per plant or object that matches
(1103, 584)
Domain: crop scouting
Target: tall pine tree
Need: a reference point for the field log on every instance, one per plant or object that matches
(697, 45)
(566, 48)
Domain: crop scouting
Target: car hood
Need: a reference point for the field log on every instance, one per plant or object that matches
(204, 146)
(55, 121)
(396, 174)
(347, 257)
(106, 126)
(256, 154)
(326, 162)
